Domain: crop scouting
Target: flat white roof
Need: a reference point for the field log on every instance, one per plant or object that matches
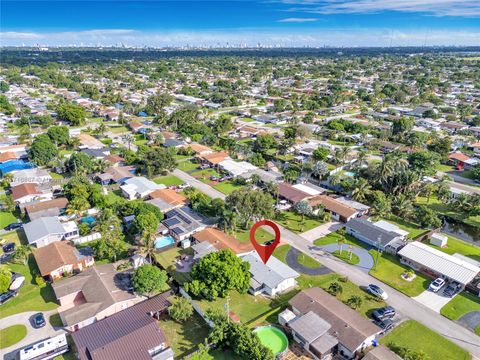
(236, 168)
(306, 189)
(385, 225)
(440, 262)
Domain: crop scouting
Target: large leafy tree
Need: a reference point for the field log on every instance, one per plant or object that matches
(157, 160)
(250, 205)
(43, 150)
(73, 113)
(59, 135)
(5, 278)
(149, 279)
(217, 273)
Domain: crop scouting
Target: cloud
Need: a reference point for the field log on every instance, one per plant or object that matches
(297, 20)
(463, 8)
(248, 37)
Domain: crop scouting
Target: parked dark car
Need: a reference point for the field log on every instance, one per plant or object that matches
(386, 312)
(13, 226)
(225, 178)
(213, 178)
(452, 289)
(385, 324)
(8, 248)
(38, 321)
(6, 296)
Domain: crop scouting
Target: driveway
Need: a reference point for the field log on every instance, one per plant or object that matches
(322, 230)
(33, 335)
(204, 188)
(292, 261)
(366, 261)
(432, 300)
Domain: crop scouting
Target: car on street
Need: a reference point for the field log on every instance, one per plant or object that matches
(213, 178)
(377, 291)
(13, 226)
(7, 296)
(382, 313)
(8, 248)
(385, 324)
(452, 289)
(436, 284)
(38, 320)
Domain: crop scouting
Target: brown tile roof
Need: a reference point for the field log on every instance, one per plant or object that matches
(22, 190)
(169, 196)
(89, 141)
(126, 335)
(200, 149)
(114, 158)
(56, 255)
(458, 156)
(6, 156)
(58, 203)
(215, 157)
(221, 240)
(290, 193)
(348, 326)
(332, 205)
(118, 173)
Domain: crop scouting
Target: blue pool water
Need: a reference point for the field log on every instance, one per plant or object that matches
(164, 241)
(349, 173)
(90, 220)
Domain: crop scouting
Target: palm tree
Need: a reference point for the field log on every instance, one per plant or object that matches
(148, 244)
(340, 241)
(303, 208)
(320, 169)
(341, 154)
(256, 179)
(403, 206)
(101, 129)
(129, 139)
(361, 188)
(361, 158)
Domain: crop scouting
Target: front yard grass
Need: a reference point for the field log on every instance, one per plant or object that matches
(333, 237)
(6, 218)
(417, 337)
(204, 175)
(461, 247)
(345, 256)
(187, 166)
(226, 187)
(389, 271)
(184, 337)
(168, 180)
(293, 222)
(261, 235)
(12, 335)
(460, 305)
(31, 296)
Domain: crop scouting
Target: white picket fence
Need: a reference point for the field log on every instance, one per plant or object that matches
(87, 238)
(196, 307)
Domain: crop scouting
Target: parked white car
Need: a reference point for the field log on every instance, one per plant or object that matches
(436, 284)
(377, 291)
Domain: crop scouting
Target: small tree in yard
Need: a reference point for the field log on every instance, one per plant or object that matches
(5, 278)
(22, 253)
(149, 279)
(335, 288)
(355, 302)
(303, 208)
(181, 309)
(341, 240)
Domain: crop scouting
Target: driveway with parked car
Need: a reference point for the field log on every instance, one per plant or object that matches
(433, 300)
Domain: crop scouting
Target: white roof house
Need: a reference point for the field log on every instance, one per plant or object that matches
(43, 231)
(139, 187)
(307, 189)
(36, 176)
(385, 225)
(236, 168)
(418, 254)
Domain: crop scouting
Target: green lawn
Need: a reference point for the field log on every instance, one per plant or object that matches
(179, 157)
(114, 196)
(16, 237)
(445, 168)
(6, 217)
(117, 129)
(417, 337)
(184, 338)
(187, 165)
(56, 176)
(461, 247)
(166, 260)
(55, 320)
(11, 335)
(168, 180)
(293, 222)
(444, 209)
(460, 305)
(345, 256)
(31, 297)
(413, 229)
(204, 175)
(261, 235)
(389, 271)
(333, 237)
(226, 187)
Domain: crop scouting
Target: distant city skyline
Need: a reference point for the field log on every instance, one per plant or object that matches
(286, 23)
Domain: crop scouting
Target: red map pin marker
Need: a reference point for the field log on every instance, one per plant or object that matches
(265, 251)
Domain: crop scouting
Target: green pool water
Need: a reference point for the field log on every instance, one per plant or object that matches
(272, 338)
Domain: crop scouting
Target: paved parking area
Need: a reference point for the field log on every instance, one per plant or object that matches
(434, 301)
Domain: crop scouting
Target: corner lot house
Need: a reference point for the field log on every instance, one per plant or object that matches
(129, 334)
(60, 257)
(382, 235)
(92, 295)
(43, 231)
(25, 193)
(436, 263)
(271, 278)
(324, 326)
(48, 208)
(139, 188)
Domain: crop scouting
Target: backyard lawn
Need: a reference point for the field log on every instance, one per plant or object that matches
(56, 176)
(460, 305)
(444, 209)
(167, 258)
(293, 222)
(11, 335)
(389, 271)
(187, 166)
(184, 337)
(168, 180)
(226, 187)
(461, 247)
(413, 229)
(13, 236)
(31, 297)
(417, 337)
(261, 235)
(117, 129)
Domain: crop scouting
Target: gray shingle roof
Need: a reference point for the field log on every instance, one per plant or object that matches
(371, 231)
(39, 228)
(310, 326)
(272, 273)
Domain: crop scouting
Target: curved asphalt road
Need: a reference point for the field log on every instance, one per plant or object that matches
(366, 260)
(292, 261)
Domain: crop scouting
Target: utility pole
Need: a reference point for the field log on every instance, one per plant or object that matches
(227, 308)
(378, 251)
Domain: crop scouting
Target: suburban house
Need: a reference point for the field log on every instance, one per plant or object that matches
(213, 159)
(49, 208)
(46, 230)
(362, 209)
(381, 235)
(291, 194)
(132, 333)
(271, 278)
(338, 210)
(167, 199)
(235, 168)
(222, 240)
(183, 222)
(98, 154)
(34, 176)
(28, 192)
(324, 326)
(200, 149)
(92, 295)
(89, 142)
(139, 187)
(59, 258)
(265, 176)
(458, 159)
(116, 174)
(381, 352)
(436, 263)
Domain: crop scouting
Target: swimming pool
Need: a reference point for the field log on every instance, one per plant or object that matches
(272, 338)
(164, 241)
(349, 173)
(90, 220)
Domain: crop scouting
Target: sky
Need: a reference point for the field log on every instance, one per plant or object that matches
(286, 23)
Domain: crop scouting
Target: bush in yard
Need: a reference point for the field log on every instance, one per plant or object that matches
(5, 279)
(202, 353)
(354, 301)
(149, 279)
(39, 280)
(406, 353)
(335, 288)
(181, 309)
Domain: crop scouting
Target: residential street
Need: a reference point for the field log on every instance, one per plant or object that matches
(403, 304)
(206, 189)
(33, 335)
